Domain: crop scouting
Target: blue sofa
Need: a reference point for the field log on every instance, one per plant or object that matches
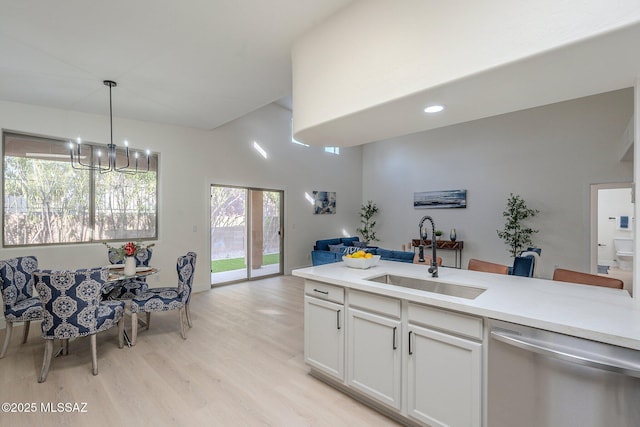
(327, 251)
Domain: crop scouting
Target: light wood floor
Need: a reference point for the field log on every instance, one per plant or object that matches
(242, 365)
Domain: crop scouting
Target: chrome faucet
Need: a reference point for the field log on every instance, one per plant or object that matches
(433, 269)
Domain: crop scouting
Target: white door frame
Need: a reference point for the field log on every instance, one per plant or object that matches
(593, 241)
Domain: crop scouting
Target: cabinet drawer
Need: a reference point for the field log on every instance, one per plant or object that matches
(375, 303)
(324, 291)
(445, 320)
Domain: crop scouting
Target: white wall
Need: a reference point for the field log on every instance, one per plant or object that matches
(190, 161)
(549, 155)
(376, 51)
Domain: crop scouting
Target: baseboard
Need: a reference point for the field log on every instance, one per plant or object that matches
(395, 416)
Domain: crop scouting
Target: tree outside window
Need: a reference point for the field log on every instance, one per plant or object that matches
(46, 201)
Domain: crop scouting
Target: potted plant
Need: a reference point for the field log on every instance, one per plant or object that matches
(127, 253)
(438, 234)
(367, 212)
(516, 235)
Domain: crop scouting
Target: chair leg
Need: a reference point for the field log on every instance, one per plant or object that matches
(46, 361)
(7, 338)
(134, 328)
(121, 332)
(182, 331)
(26, 331)
(148, 319)
(65, 347)
(188, 313)
(94, 354)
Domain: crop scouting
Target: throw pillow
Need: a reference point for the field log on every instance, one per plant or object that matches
(360, 244)
(335, 248)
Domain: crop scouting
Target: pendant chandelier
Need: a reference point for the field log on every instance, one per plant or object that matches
(111, 163)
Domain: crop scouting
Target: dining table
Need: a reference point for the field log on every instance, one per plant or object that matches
(117, 277)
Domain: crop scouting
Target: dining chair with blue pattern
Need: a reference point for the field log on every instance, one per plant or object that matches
(128, 288)
(167, 298)
(72, 307)
(20, 305)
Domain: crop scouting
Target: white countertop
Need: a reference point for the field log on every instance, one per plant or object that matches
(592, 312)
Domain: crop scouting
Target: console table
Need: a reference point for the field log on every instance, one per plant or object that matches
(443, 244)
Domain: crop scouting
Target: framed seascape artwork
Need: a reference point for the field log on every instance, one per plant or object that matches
(324, 202)
(440, 199)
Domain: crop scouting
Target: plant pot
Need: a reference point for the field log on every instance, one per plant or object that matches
(129, 266)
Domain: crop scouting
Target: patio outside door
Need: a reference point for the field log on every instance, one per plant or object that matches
(246, 238)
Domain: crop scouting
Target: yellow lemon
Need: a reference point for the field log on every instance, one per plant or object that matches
(368, 255)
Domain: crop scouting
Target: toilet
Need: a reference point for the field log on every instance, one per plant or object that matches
(624, 253)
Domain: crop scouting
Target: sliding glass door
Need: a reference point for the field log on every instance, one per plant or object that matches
(246, 238)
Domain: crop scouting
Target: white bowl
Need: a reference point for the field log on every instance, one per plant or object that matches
(361, 262)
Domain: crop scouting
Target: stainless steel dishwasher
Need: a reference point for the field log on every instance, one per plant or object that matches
(539, 378)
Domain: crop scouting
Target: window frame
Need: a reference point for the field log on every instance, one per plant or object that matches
(92, 214)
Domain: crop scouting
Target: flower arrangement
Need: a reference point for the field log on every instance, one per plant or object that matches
(129, 248)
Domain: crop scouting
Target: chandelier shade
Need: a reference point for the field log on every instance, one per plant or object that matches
(116, 159)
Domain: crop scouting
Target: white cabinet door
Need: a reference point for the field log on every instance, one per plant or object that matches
(324, 336)
(444, 379)
(374, 356)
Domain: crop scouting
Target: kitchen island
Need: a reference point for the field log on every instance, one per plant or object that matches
(421, 356)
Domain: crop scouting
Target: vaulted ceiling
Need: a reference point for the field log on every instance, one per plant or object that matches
(196, 63)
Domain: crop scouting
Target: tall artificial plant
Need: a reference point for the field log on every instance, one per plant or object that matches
(367, 212)
(516, 235)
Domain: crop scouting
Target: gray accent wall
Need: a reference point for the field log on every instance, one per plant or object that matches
(549, 155)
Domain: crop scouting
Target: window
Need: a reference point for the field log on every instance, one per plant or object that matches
(46, 201)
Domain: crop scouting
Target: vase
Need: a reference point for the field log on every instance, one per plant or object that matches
(129, 266)
(452, 235)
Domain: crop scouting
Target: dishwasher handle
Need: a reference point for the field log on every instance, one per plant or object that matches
(546, 349)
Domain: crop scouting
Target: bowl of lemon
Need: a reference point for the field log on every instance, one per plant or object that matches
(361, 259)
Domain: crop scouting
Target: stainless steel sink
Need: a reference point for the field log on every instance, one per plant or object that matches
(460, 291)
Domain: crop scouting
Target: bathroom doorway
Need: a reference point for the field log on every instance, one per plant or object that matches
(612, 224)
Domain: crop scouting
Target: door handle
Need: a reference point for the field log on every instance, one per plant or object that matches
(338, 319)
(395, 344)
(572, 356)
(410, 349)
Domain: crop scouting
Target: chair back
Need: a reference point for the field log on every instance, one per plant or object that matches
(487, 267)
(536, 260)
(16, 279)
(70, 300)
(186, 267)
(563, 275)
(523, 266)
(143, 257)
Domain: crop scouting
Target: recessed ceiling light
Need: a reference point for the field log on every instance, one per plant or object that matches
(434, 109)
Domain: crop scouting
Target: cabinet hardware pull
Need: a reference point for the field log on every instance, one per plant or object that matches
(322, 292)
(410, 349)
(338, 319)
(395, 345)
